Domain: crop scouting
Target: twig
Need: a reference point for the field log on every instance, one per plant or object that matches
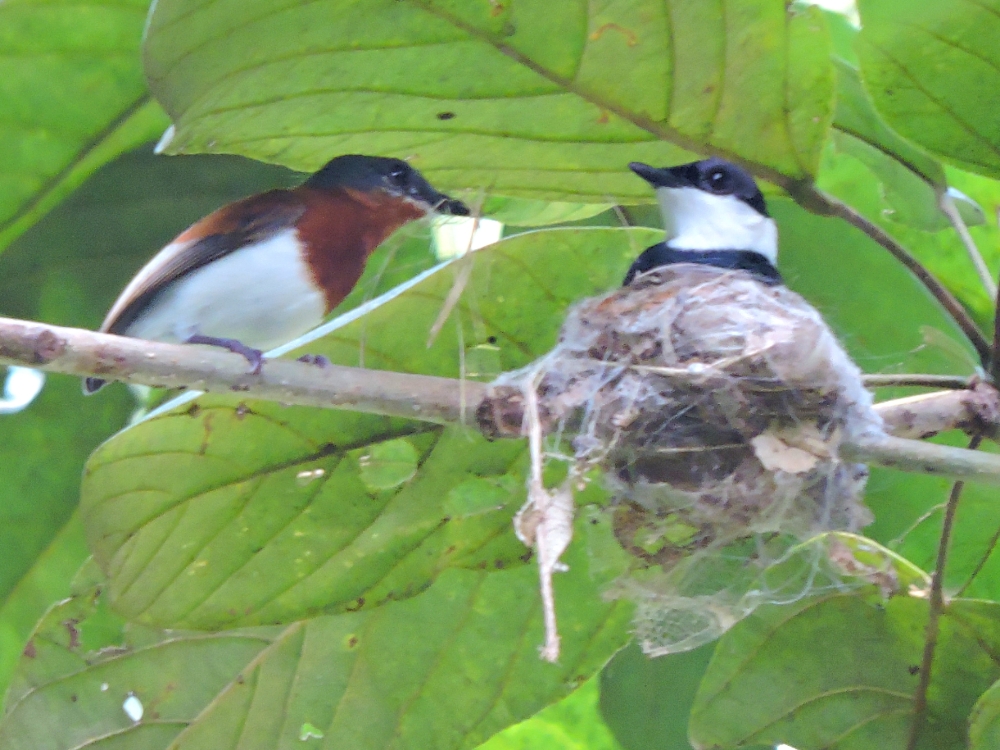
(935, 606)
(902, 380)
(950, 210)
(974, 410)
(923, 458)
(77, 352)
(431, 399)
(816, 200)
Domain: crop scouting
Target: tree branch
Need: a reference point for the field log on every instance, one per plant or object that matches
(935, 608)
(73, 351)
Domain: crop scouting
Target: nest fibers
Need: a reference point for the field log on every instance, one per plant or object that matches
(715, 405)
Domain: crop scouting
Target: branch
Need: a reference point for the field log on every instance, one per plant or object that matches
(975, 411)
(903, 380)
(813, 199)
(73, 351)
(935, 607)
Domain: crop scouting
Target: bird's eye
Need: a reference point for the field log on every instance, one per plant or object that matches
(398, 175)
(719, 181)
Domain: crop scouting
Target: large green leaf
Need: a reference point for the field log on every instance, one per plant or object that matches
(528, 98)
(933, 70)
(73, 99)
(47, 581)
(223, 512)
(446, 669)
(647, 702)
(573, 723)
(984, 723)
(769, 682)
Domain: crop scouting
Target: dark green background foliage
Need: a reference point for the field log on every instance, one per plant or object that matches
(262, 576)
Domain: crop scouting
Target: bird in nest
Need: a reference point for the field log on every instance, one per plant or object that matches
(261, 271)
(708, 391)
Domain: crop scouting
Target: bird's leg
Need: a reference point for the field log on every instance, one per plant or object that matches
(254, 356)
(314, 359)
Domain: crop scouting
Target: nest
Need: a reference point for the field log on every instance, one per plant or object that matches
(715, 405)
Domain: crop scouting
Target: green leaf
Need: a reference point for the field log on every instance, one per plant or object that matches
(647, 702)
(387, 465)
(573, 723)
(222, 512)
(856, 691)
(525, 99)
(984, 722)
(47, 581)
(79, 669)
(856, 116)
(74, 99)
(446, 669)
(911, 179)
(933, 71)
(942, 253)
(524, 212)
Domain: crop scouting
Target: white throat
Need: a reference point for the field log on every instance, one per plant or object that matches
(696, 220)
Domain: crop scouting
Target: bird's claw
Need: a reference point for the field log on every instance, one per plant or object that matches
(254, 356)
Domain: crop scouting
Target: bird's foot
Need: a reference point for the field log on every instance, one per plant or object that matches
(315, 359)
(254, 356)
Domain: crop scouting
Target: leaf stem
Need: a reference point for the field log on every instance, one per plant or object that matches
(935, 607)
(950, 210)
(901, 380)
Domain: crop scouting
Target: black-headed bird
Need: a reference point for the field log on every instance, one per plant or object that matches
(714, 214)
(262, 271)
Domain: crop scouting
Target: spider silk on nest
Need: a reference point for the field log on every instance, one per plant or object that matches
(715, 405)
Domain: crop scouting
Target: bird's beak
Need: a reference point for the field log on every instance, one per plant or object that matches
(422, 192)
(666, 177)
(451, 206)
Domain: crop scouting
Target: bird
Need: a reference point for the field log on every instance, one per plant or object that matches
(263, 270)
(714, 214)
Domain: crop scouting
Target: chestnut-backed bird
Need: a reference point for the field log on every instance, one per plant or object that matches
(714, 214)
(263, 270)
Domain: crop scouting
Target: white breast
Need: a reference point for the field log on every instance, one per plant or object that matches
(262, 295)
(697, 220)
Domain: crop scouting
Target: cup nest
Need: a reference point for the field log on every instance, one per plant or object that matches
(715, 404)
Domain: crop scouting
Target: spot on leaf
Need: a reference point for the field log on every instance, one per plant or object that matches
(480, 495)
(387, 465)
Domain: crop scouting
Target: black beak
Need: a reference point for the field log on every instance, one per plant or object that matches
(666, 177)
(451, 206)
(422, 191)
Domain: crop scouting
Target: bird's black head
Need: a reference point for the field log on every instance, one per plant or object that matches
(713, 175)
(393, 176)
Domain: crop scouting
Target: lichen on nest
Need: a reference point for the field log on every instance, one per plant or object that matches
(715, 405)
